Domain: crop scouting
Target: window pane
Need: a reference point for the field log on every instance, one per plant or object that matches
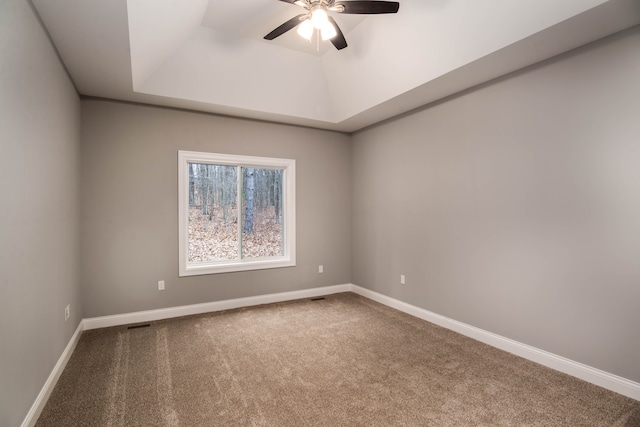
(213, 213)
(262, 232)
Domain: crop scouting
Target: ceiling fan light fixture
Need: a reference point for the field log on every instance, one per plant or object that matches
(328, 31)
(316, 18)
(319, 18)
(306, 29)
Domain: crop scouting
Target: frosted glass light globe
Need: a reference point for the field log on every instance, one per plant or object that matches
(319, 18)
(306, 29)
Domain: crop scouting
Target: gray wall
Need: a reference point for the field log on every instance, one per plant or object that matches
(130, 213)
(39, 241)
(515, 207)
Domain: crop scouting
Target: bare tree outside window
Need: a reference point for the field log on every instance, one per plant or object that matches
(216, 231)
(213, 212)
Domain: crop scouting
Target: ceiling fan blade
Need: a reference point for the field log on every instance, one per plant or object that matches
(290, 24)
(364, 7)
(338, 40)
(302, 3)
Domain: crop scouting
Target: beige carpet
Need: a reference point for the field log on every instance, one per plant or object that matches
(339, 361)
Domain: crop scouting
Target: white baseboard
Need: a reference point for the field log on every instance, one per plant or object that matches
(47, 388)
(595, 376)
(587, 373)
(208, 307)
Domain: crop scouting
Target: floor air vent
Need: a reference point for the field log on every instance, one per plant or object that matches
(317, 299)
(144, 325)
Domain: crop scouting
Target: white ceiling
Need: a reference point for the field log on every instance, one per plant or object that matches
(210, 55)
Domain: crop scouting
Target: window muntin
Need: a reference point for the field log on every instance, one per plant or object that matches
(235, 213)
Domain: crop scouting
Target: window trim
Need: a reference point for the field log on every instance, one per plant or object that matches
(288, 213)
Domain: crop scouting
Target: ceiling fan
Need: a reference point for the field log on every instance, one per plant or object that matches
(318, 19)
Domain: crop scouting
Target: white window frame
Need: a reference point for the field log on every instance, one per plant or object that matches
(288, 212)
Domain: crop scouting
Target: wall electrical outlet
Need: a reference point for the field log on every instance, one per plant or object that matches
(402, 279)
(161, 285)
(320, 269)
(67, 312)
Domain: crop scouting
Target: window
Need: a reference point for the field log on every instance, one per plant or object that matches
(235, 213)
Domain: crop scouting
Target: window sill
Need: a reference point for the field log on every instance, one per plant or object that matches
(230, 267)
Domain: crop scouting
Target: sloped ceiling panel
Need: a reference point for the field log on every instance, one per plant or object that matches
(394, 55)
(156, 29)
(244, 73)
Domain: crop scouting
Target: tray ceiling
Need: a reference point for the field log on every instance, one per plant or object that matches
(210, 55)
